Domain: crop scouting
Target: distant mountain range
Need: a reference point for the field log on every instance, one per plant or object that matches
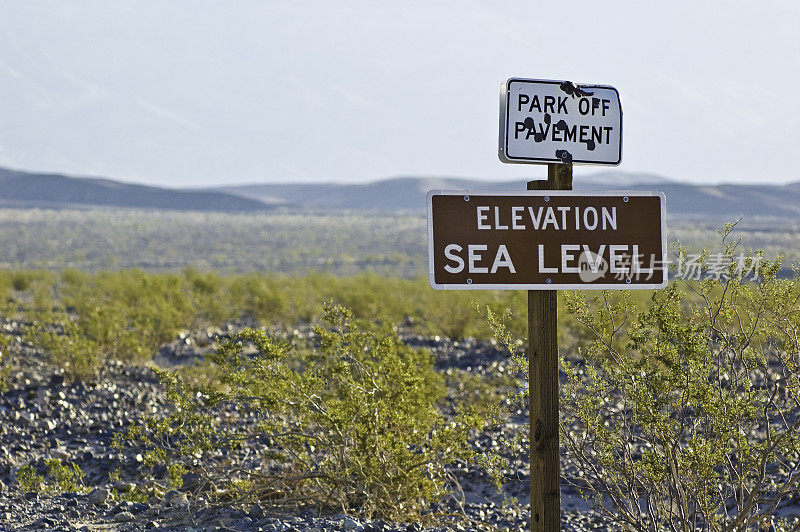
(28, 189)
(408, 194)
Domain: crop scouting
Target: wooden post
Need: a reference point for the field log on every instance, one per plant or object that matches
(543, 385)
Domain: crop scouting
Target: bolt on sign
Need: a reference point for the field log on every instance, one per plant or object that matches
(559, 122)
(546, 240)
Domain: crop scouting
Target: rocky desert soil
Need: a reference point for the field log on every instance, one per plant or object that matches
(43, 416)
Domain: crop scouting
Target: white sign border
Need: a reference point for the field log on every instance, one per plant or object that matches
(502, 144)
(587, 286)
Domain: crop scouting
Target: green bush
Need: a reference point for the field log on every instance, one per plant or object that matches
(682, 413)
(129, 314)
(28, 480)
(68, 348)
(84, 319)
(686, 413)
(208, 296)
(5, 363)
(258, 297)
(350, 423)
(59, 478)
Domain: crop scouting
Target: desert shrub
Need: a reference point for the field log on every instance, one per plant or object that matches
(209, 295)
(6, 301)
(683, 412)
(129, 314)
(452, 314)
(84, 319)
(73, 277)
(402, 301)
(64, 477)
(58, 478)
(20, 281)
(479, 393)
(67, 348)
(5, 362)
(28, 480)
(259, 297)
(23, 280)
(29, 292)
(368, 296)
(349, 423)
(686, 413)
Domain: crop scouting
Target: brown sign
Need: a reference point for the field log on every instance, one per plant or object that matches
(546, 240)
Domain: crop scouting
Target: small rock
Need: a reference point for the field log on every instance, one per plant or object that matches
(191, 481)
(99, 496)
(350, 524)
(124, 517)
(256, 512)
(175, 498)
(122, 486)
(120, 507)
(138, 507)
(59, 453)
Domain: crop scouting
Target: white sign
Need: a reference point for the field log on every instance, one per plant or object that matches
(559, 122)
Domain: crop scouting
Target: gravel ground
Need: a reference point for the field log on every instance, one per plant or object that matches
(42, 416)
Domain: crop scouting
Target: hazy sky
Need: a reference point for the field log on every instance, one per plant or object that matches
(183, 93)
